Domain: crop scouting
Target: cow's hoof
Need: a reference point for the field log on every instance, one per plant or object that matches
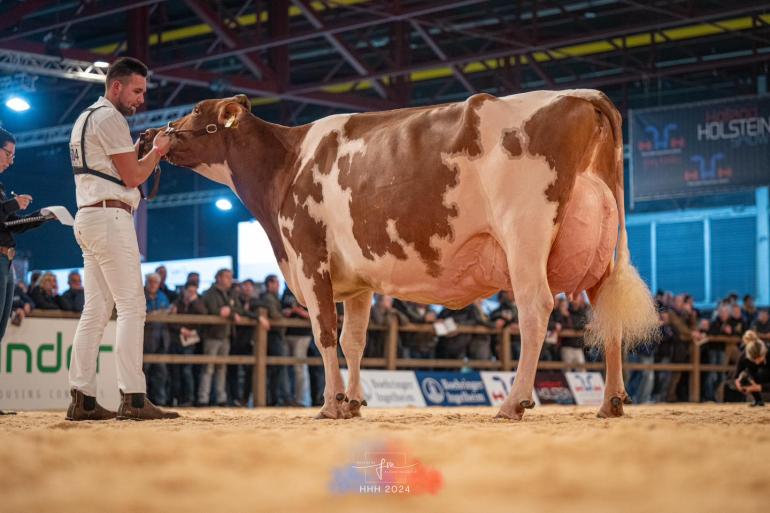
(611, 408)
(326, 415)
(518, 410)
(354, 407)
(333, 410)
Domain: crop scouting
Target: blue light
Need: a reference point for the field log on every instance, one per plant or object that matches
(224, 204)
(17, 104)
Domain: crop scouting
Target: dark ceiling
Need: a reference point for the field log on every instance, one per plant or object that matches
(303, 59)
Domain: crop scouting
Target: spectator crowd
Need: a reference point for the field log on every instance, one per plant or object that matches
(683, 329)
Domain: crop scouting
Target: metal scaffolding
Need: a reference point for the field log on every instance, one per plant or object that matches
(13, 61)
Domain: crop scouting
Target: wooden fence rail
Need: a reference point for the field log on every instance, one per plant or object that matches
(260, 360)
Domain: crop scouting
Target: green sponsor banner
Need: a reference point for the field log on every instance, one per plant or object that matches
(35, 360)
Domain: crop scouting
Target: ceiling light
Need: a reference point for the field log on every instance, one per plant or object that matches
(224, 204)
(17, 104)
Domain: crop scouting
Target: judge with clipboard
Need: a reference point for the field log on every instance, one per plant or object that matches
(10, 223)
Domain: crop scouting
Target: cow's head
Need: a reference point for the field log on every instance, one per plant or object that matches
(201, 136)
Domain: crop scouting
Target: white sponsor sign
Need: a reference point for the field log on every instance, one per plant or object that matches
(499, 384)
(34, 362)
(389, 389)
(586, 387)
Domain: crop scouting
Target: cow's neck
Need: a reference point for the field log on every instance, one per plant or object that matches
(261, 157)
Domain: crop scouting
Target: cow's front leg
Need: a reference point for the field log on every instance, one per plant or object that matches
(353, 341)
(323, 319)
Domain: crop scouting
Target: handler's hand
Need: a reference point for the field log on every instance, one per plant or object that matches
(224, 311)
(161, 143)
(23, 200)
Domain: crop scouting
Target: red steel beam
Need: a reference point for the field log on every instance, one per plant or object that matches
(233, 84)
(87, 16)
(338, 44)
(252, 62)
(545, 46)
(18, 13)
(407, 14)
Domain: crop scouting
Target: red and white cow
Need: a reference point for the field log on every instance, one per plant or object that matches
(441, 205)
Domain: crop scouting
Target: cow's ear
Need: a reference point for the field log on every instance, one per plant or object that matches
(233, 110)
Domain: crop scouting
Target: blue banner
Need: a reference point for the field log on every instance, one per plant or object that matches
(452, 388)
(700, 148)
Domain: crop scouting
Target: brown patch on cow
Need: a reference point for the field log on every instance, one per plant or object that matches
(565, 132)
(512, 143)
(308, 235)
(263, 160)
(308, 239)
(605, 163)
(326, 152)
(400, 176)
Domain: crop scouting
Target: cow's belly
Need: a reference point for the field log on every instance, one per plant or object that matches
(586, 239)
(473, 268)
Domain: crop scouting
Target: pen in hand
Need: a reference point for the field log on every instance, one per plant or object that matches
(23, 200)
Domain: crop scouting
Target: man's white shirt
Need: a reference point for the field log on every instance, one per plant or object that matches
(107, 134)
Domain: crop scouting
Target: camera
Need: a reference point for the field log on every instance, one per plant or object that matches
(744, 378)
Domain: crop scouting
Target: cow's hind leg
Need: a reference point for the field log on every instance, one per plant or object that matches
(527, 259)
(614, 390)
(615, 395)
(353, 341)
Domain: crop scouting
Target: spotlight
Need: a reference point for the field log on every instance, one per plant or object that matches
(224, 204)
(17, 104)
(101, 64)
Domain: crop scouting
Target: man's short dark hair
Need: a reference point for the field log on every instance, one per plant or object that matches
(221, 272)
(123, 68)
(6, 137)
(269, 278)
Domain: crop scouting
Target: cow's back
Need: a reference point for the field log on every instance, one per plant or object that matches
(408, 198)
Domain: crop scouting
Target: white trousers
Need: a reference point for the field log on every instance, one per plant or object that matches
(111, 278)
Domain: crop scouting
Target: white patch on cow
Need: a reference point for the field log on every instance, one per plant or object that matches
(495, 195)
(220, 173)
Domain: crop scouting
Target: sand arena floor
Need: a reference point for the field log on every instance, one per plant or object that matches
(683, 458)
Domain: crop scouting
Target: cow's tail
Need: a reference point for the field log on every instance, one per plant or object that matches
(622, 306)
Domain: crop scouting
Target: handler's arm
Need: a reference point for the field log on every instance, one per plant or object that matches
(135, 172)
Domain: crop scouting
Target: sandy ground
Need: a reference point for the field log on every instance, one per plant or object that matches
(682, 458)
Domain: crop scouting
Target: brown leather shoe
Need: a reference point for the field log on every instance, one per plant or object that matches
(85, 407)
(138, 407)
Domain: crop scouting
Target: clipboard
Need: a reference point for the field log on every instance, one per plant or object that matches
(53, 212)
